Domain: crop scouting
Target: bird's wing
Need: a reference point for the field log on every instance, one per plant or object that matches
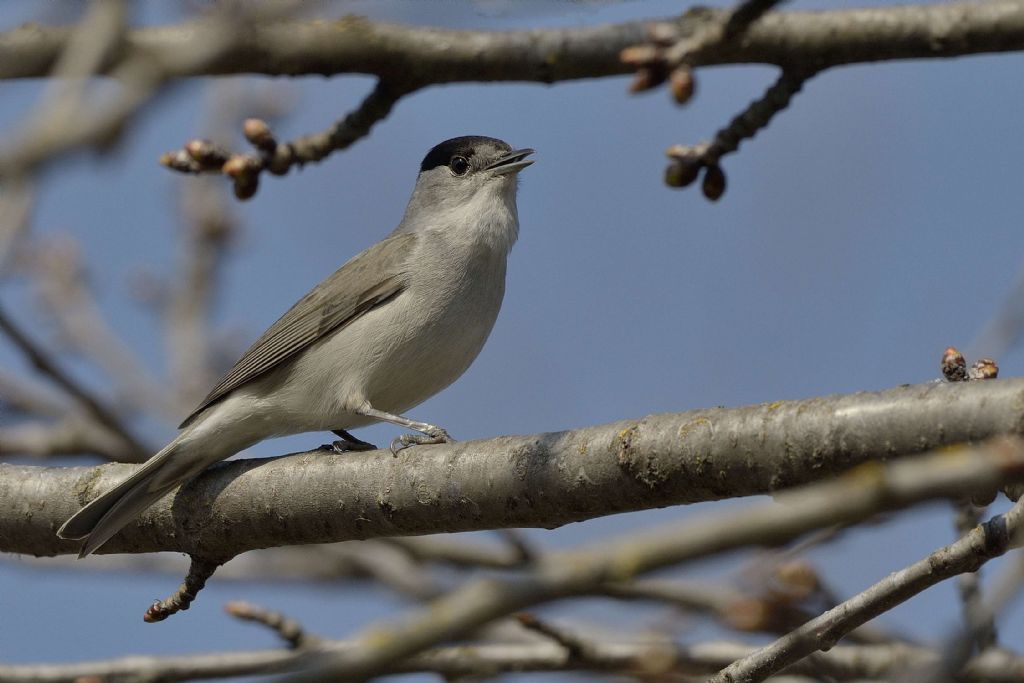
(368, 280)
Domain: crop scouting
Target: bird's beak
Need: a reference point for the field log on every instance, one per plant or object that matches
(513, 162)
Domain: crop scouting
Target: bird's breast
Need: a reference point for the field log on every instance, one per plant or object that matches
(440, 325)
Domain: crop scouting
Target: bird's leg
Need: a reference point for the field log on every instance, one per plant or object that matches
(428, 433)
(347, 443)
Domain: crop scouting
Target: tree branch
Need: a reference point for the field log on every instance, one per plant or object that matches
(648, 656)
(48, 366)
(543, 480)
(984, 542)
(421, 56)
(200, 156)
(851, 498)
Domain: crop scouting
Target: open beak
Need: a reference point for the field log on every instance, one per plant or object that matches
(513, 162)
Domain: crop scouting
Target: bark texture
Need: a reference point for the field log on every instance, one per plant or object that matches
(542, 480)
(421, 56)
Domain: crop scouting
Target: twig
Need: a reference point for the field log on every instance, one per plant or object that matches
(525, 552)
(1007, 587)
(638, 464)
(576, 647)
(291, 631)
(29, 397)
(75, 121)
(980, 627)
(983, 543)
(853, 497)
(17, 200)
(199, 156)
(199, 570)
(687, 162)
(44, 364)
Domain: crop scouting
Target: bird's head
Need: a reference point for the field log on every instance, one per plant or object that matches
(466, 174)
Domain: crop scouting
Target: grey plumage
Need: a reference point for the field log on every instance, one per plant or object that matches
(390, 328)
(368, 280)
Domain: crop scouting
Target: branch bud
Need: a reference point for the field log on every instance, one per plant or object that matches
(240, 165)
(246, 186)
(985, 368)
(179, 160)
(258, 133)
(954, 366)
(714, 183)
(205, 153)
(682, 172)
(681, 84)
(648, 78)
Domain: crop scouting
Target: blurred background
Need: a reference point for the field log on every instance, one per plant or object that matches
(874, 223)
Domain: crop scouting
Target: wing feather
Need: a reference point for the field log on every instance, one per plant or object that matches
(368, 280)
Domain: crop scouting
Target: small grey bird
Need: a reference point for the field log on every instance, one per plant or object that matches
(389, 329)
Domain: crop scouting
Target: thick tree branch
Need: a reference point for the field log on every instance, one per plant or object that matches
(540, 480)
(849, 499)
(421, 56)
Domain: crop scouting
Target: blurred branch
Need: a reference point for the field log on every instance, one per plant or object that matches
(850, 498)
(402, 565)
(763, 611)
(539, 480)
(378, 560)
(289, 630)
(29, 397)
(986, 541)
(62, 286)
(649, 657)
(1004, 329)
(74, 116)
(92, 405)
(461, 553)
(17, 200)
(1007, 587)
(71, 435)
(421, 56)
(980, 627)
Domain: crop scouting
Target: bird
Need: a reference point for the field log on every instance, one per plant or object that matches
(393, 326)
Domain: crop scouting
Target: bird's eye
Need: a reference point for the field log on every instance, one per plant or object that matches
(459, 165)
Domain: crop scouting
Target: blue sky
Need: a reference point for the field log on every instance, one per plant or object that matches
(874, 223)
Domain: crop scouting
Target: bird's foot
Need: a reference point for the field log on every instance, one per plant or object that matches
(347, 443)
(430, 435)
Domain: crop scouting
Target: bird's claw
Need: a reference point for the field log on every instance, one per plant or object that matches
(430, 436)
(347, 446)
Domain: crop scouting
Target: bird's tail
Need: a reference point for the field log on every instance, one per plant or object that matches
(106, 515)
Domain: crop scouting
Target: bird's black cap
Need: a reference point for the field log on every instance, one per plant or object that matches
(465, 146)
